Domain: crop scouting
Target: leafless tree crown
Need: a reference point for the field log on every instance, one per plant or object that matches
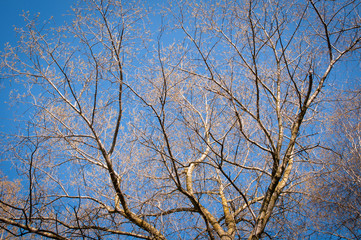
(189, 120)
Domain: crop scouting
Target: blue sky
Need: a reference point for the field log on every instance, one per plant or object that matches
(10, 16)
(10, 11)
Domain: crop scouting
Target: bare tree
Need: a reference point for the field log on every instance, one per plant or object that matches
(9, 194)
(336, 189)
(194, 130)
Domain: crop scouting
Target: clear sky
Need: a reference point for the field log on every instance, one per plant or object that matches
(10, 16)
(10, 11)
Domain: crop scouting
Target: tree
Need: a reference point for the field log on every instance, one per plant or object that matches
(9, 194)
(336, 190)
(194, 130)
